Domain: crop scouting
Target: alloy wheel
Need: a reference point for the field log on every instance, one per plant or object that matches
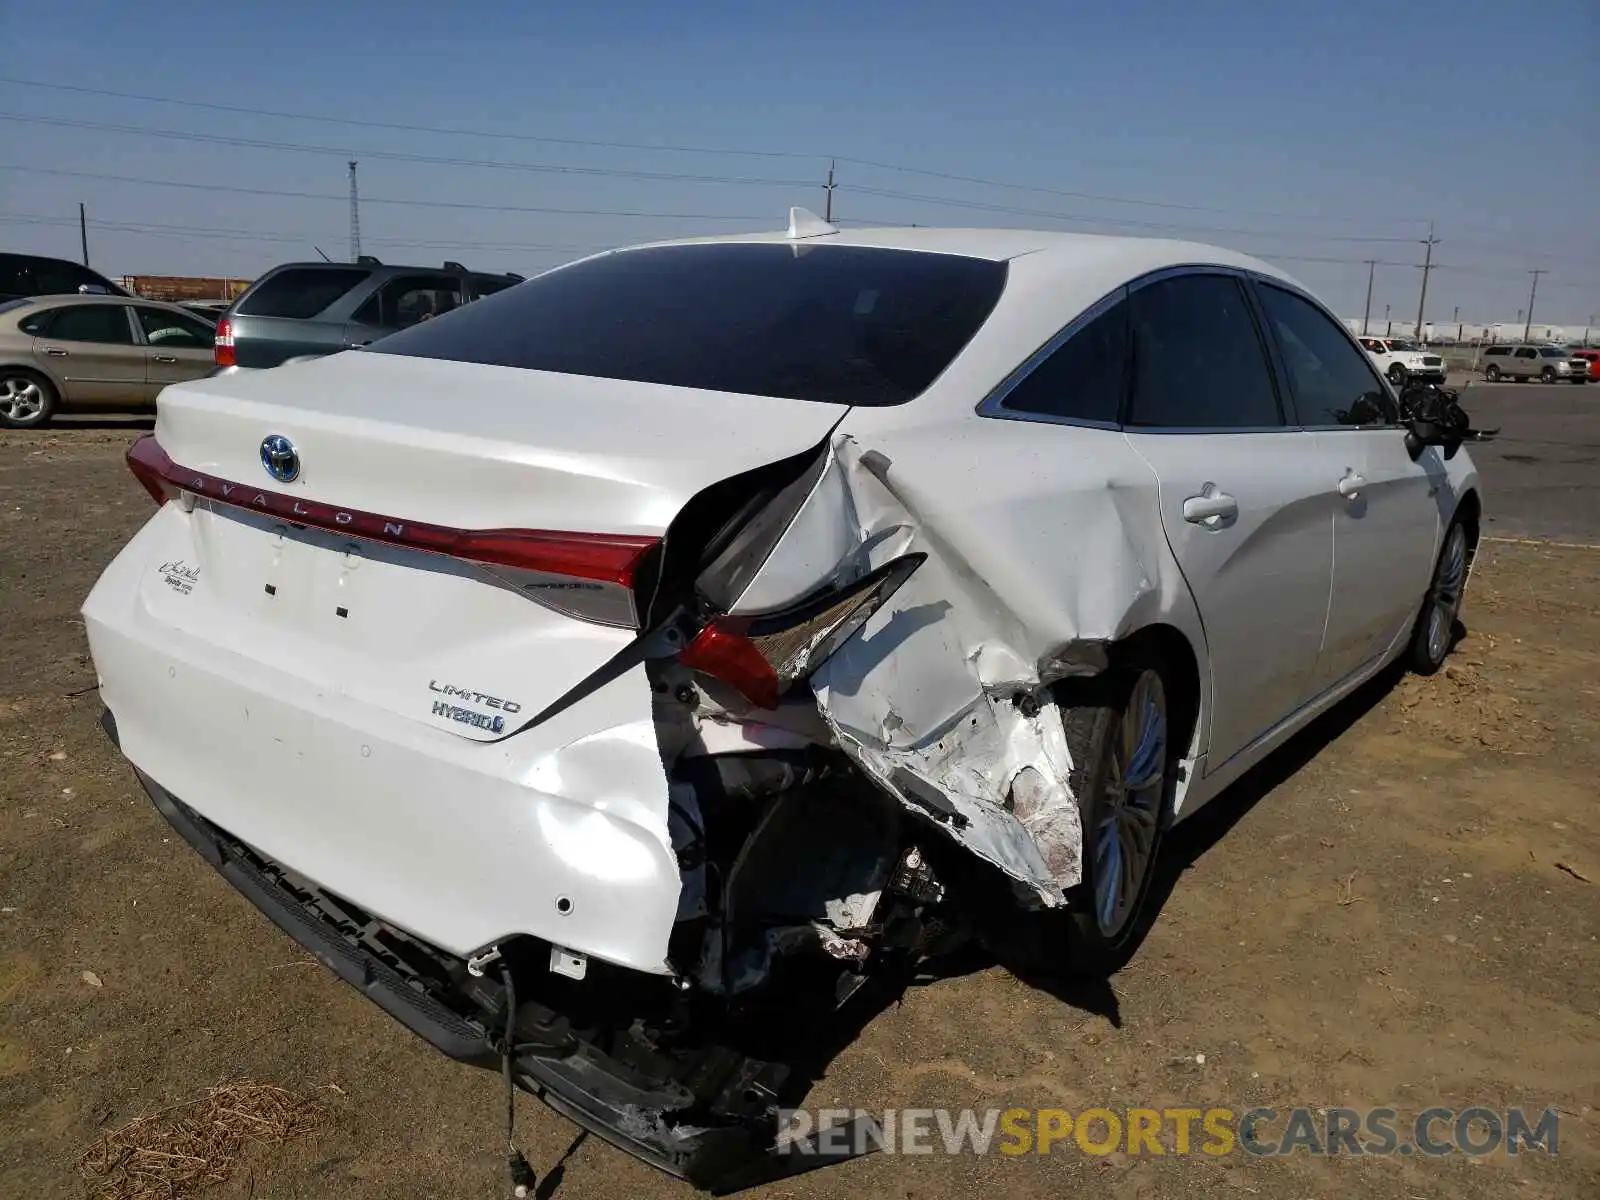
(21, 399)
(1125, 834)
(1444, 599)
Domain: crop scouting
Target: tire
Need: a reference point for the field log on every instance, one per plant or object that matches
(27, 399)
(1492, 373)
(1124, 773)
(1548, 375)
(1397, 375)
(1435, 630)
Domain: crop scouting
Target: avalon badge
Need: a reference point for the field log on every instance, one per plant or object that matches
(280, 458)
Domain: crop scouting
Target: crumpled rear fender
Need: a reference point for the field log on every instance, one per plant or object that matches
(943, 697)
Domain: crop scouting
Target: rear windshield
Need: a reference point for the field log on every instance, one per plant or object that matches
(300, 292)
(838, 324)
(25, 275)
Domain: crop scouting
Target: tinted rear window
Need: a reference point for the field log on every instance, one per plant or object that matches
(26, 275)
(300, 292)
(839, 324)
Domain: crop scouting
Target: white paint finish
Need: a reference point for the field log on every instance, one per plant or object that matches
(482, 447)
(459, 842)
(1386, 536)
(819, 545)
(1261, 579)
(1039, 538)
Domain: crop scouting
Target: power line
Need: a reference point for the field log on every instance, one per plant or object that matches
(1087, 218)
(438, 160)
(236, 189)
(260, 235)
(399, 127)
(875, 164)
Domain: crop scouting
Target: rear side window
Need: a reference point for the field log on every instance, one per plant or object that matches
(300, 292)
(1333, 382)
(103, 323)
(408, 299)
(1084, 379)
(1198, 361)
(488, 285)
(839, 324)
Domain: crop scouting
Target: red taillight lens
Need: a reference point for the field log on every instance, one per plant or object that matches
(553, 558)
(761, 657)
(222, 347)
(149, 464)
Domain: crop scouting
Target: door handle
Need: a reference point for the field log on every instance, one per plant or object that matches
(1350, 486)
(55, 351)
(1210, 508)
(165, 358)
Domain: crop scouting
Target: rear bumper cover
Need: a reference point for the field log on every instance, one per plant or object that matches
(719, 1159)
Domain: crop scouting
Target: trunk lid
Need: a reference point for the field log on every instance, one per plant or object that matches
(336, 574)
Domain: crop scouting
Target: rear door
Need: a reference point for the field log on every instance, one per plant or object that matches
(1385, 507)
(92, 348)
(1525, 362)
(177, 346)
(1255, 542)
(295, 311)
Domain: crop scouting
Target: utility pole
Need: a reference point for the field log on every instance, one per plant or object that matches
(1388, 325)
(1527, 329)
(1427, 267)
(83, 232)
(1372, 266)
(827, 214)
(355, 216)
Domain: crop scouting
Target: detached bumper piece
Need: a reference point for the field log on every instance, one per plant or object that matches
(707, 1115)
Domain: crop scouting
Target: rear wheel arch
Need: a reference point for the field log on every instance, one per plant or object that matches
(1168, 646)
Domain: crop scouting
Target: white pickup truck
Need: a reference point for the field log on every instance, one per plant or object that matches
(1401, 360)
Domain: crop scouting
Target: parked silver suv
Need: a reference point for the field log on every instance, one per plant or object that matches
(1551, 364)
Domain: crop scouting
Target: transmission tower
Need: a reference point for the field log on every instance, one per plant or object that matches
(355, 215)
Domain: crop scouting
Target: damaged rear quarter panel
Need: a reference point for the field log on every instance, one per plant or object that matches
(1041, 540)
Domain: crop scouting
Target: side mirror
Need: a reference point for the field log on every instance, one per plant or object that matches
(1421, 434)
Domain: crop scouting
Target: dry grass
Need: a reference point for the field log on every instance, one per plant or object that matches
(180, 1150)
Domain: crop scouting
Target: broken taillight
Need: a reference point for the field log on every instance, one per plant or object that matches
(761, 657)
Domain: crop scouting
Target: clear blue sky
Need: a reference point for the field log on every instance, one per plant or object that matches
(1308, 129)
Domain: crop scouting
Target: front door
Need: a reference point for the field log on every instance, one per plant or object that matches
(92, 350)
(1255, 547)
(1386, 512)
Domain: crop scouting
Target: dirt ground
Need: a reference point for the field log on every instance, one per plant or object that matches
(1393, 911)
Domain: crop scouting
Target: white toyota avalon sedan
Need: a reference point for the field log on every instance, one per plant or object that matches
(614, 673)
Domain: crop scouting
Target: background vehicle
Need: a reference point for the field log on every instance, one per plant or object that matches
(783, 610)
(1590, 359)
(312, 308)
(1401, 360)
(74, 353)
(23, 275)
(1550, 364)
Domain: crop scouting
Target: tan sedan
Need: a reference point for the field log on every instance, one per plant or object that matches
(79, 353)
